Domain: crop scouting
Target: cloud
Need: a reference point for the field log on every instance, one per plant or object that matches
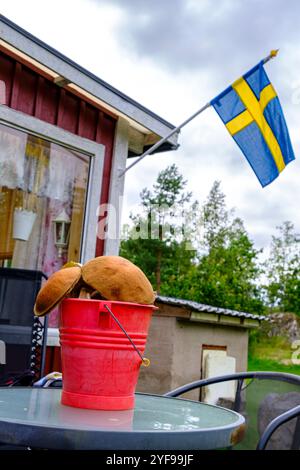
(205, 43)
(174, 55)
(185, 34)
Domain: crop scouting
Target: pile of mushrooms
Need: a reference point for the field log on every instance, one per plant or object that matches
(104, 277)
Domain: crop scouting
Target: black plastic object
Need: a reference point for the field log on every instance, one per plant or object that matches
(24, 334)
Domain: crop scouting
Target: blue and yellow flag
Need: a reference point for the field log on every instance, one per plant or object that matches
(251, 111)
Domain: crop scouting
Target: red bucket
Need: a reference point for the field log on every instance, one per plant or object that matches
(99, 364)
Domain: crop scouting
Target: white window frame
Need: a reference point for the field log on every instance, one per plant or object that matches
(95, 151)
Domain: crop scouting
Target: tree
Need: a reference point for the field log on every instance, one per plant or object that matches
(227, 269)
(224, 270)
(227, 275)
(283, 270)
(214, 218)
(159, 236)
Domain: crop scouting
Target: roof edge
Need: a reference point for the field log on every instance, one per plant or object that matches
(198, 307)
(61, 57)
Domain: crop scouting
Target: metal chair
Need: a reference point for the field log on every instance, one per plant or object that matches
(269, 401)
(23, 334)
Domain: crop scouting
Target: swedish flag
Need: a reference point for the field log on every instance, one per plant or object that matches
(251, 111)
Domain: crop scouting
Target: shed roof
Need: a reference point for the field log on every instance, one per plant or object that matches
(65, 72)
(198, 307)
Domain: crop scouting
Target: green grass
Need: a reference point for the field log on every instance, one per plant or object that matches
(276, 348)
(258, 364)
(270, 353)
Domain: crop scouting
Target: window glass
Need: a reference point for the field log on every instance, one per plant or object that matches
(42, 202)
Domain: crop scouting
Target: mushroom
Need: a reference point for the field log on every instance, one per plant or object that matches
(116, 278)
(56, 288)
(104, 277)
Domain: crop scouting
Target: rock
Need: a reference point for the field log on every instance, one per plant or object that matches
(272, 406)
(229, 404)
(283, 324)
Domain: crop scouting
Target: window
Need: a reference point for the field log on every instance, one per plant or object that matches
(45, 174)
(39, 180)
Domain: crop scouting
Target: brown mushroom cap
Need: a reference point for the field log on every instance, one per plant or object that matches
(116, 278)
(55, 289)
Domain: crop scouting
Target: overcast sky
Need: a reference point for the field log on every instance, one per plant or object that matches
(173, 56)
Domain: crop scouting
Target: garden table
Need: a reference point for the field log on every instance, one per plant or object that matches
(35, 417)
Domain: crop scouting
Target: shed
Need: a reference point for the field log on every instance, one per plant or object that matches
(65, 137)
(184, 335)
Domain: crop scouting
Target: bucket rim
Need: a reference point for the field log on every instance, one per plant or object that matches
(114, 302)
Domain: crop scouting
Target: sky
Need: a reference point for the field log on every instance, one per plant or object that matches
(173, 56)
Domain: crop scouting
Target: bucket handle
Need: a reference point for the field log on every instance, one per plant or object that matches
(145, 361)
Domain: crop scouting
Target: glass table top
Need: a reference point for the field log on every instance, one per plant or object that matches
(42, 407)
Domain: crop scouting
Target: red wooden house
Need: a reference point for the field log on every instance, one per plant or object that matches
(65, 136)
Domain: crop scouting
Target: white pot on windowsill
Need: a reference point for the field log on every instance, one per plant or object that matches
(23, 224)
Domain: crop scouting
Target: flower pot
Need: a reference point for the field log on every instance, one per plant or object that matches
(23, 224)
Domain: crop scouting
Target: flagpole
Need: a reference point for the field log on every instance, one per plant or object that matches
(272, 54)
(164, 139)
